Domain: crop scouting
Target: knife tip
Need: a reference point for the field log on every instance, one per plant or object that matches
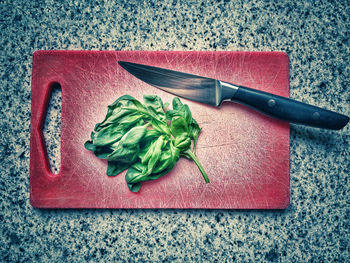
(123, 64)
(126, 64)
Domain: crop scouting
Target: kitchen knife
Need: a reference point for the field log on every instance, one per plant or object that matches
(214, 92)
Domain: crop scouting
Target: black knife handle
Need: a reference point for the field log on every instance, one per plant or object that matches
(289, 110)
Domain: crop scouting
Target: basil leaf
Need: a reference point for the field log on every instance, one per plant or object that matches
(127, 149)
(171, 114)
(131, 175)
(135, 174)
(147, 153)
(123, 106)
(182, 142)
(115, 168)
(177, 103)
(160, 126)
(185, 112)
(150, 135)
(124, 154)
(166, 160)
(89, 146)
(178, 126)
(100, 152)
(108, 135)
(97, 127)
(117, 105)
(103, 152)
(194, 132)
(154, 104)
(155, 176)
(155, 156)
(134, 136)
(134, 187)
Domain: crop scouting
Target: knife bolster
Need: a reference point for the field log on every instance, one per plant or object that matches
(228, 91)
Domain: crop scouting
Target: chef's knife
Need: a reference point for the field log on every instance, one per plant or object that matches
(214, 92)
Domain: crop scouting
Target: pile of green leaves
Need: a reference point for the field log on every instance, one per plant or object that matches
(145, 138)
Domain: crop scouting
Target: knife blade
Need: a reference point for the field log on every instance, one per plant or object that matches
(214, 92)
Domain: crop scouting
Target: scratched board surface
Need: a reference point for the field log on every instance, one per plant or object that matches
(245, 154)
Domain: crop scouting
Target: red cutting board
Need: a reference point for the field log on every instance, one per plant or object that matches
(245, 154)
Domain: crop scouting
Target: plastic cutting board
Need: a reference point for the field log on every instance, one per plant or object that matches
(245, 154)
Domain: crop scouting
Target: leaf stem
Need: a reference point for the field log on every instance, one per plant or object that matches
(200, 167)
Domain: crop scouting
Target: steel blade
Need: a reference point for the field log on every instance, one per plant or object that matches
(188, 86)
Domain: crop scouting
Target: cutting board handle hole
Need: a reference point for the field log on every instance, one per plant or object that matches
(51, 128)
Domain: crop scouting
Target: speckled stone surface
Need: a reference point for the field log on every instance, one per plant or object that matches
(315, 228)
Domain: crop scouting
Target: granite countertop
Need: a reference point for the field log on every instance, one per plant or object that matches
(314, 228)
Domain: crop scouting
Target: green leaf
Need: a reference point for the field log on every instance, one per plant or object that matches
(131, 175)
(124, 117)
(150, 135)
(166, 160)
(100, 152)
(103, 152)
(194, 132)
(115, 168)
(130, 119)
(108, 135)
(160, 126)
(134, 136)
(175, 152)
(135, 175)
(154, 104)
(178, 126)
(90, 146)
(171, 114)
(176, 103)
(183, 142)
(124, 154)
(155, 176)
(127, 149)
(147, 152)
(97, 127)
(125, 105)
(182, 111)
(117, 105)
(185, 112)
(134, 187)
(155, 155)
